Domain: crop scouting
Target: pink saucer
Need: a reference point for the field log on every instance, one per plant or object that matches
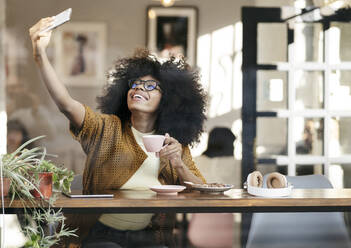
(167, 189)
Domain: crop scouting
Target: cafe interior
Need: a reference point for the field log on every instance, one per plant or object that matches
(275, 73)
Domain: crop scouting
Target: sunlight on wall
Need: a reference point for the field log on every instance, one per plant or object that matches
(221, 71)
(204, 59)
(237, 62)
(219, 58)
(201, 147)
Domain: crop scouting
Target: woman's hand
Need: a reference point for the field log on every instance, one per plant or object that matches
(40, 40)
(172, 151)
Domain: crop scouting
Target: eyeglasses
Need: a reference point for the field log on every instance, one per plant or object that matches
(149, 85)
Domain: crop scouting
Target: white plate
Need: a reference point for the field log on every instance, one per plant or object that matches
(211, 189)
(167, 189)
(269, 192)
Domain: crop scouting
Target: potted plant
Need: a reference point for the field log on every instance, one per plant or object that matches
(16, 166)
(50, 176)
(44, 180)
(22, 168)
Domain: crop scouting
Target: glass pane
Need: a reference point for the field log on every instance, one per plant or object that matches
(309, 169)
(267, 168)
(340, 45)
(308, 42)
(309, 136)
(309, 90)
(271, 90)
(340, 90)
(271, 137)
(283, 169)
(339, 136)
(265, 43)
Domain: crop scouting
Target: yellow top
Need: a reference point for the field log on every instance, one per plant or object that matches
(144, 178)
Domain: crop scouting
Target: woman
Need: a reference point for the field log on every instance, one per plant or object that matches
(145, 97)
(17, 135)
(217, 163)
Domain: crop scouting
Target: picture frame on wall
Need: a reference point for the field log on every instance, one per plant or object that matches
(172, 31)
(79, 53)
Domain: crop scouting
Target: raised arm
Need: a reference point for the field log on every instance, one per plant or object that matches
(71, 108)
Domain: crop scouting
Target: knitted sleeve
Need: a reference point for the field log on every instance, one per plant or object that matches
(91, 132)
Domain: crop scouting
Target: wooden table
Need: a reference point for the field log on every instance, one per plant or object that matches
(235, 200)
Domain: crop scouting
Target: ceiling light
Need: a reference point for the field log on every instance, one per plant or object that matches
(167, 3)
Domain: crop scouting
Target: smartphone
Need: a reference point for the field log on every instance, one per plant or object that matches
(79, 194)
(59, 19)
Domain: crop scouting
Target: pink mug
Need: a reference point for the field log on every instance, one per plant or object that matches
(154, 143)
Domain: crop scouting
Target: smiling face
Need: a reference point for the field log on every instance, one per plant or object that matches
(143, 101)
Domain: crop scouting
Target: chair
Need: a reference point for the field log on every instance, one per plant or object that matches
(285, 230)
(211, 230)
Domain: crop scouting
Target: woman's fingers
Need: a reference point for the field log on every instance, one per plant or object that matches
(173, 148)
(169, 140)
(169, 150)
(40, 25)
(172, 151)
(40, 39)
(46, 23)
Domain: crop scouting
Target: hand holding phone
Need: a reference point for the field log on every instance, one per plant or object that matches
(59, 19)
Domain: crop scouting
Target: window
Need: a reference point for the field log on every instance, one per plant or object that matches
(296, 93)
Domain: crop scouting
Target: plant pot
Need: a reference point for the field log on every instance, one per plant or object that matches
(45, 185)
(7, 183)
